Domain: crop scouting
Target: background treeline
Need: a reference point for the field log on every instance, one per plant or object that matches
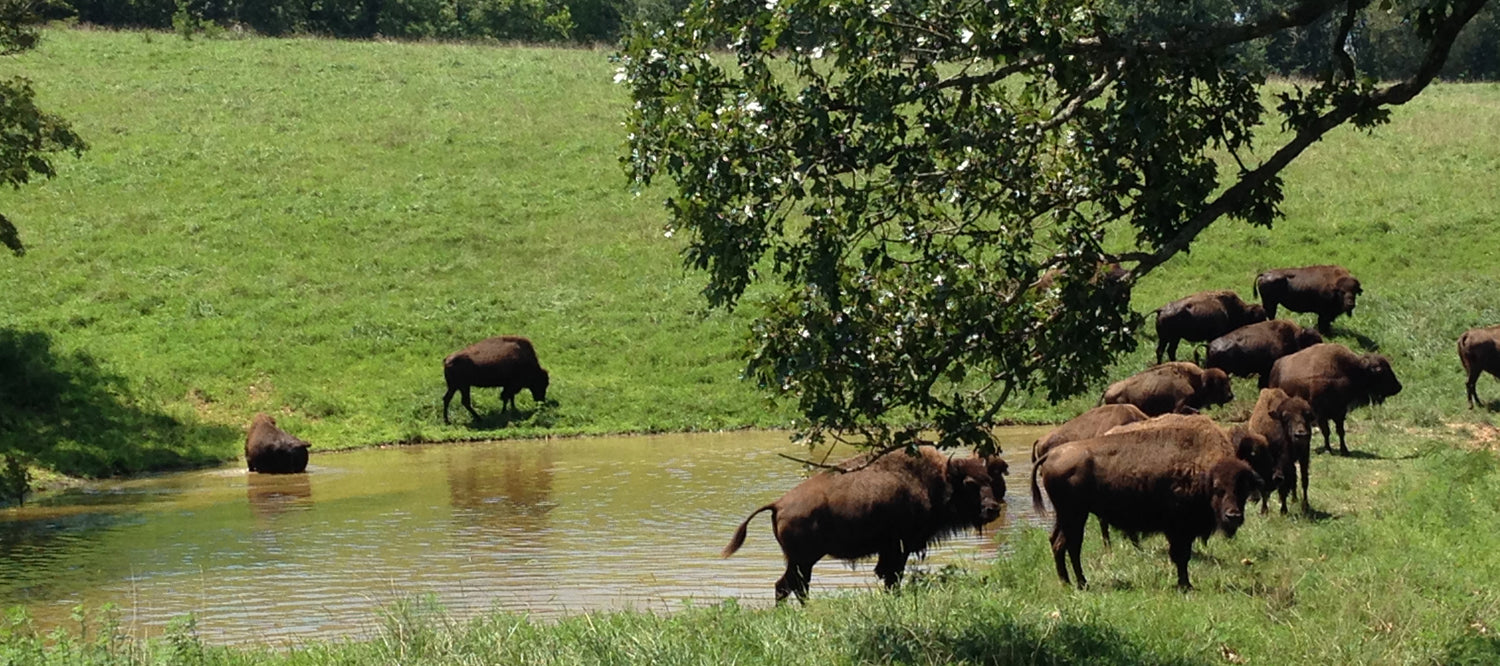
(1383, 42)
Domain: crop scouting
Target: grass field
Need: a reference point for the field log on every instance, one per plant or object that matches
(307, 227)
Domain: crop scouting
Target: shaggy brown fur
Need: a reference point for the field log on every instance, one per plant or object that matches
(1332, 379)
(1089, 424)
(508, 362)
(1252, 350)
(1479, 351)
(1170, 387)
(892, 506)
(1327, 291)
(270, 450)
(1286, 423)
(1201, 317)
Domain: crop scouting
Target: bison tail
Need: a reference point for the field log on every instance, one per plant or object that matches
(1036, 491)
(739, 535)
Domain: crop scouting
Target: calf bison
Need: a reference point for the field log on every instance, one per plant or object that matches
(508, 362)
(1332, 379)
(891, 505)
(1202, 317)
(1089, 424)
(1184, 482)
(1286, 423)
(1251, 350)
(1479, 350)
(1171, 387)
(270, 450)
(1327, 291)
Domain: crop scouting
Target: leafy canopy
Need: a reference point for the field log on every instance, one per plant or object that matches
(941, 202)
(27, 134)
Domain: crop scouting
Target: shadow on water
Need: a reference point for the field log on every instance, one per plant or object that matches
(998, 640)
(67, 413)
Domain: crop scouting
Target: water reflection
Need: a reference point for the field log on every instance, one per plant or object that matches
(544, 527)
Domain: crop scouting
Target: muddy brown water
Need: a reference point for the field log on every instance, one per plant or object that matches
(540, 527)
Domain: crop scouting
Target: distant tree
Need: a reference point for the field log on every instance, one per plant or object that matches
(28, 135)
(943, 202)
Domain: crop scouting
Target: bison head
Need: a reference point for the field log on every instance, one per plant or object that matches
(539, 386)
(1257, 451)
(1231, 482)
(977, 489)
(1215, 390)
(1380, 381)
(1351, 289)
(1308, 337)
(1254, 314)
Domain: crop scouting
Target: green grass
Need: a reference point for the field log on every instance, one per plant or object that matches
(306, 227)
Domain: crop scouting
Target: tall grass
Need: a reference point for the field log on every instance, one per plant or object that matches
(307, 227)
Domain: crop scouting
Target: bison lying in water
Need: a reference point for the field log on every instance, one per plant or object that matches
(1178, 386)
(270, 450)
(1332, 379)
(1089, 424)
(892, 506)
(508, 362)
(1253, 349)
(1286, 423)
(1479, 351)
(1202, 317)
(1185, 482)
(1327, 291)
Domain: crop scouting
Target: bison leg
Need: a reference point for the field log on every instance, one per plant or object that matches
(448, 397)
(1162, 344)
(468, 402)
(794, 581)
(1325, 324)
(1323, 426)
(1338, 422)
(1181, 548)
(1059, 552)
(508, 397)
(1067, 539)
(1470, 392)
(890, 566)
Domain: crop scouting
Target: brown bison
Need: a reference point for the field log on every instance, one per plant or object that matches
(270, 450)
(1327, 291)
(1251, 350)
(1286, 423)
(1202, 317)
(1184, 482)
(891, 505)
(1178, 386)
(1089, 424)
(1332, 379)
(508, 362)
(1479, 350)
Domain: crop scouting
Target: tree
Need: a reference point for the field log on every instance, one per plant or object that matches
(943, 202)
(28, 135)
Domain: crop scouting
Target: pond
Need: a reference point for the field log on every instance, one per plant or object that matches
(545, 527)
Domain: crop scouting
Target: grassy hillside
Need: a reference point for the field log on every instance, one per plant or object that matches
(307, 227)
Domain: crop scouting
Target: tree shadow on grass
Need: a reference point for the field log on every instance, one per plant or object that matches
(65, 412)
(1471, 649)
(1000, 640)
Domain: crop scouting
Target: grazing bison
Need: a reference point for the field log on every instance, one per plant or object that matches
(892, 506)
(508, 362)
(1171, 387)
(1251, 350)
(1479, 350)
(1183, 481)
(1087, 425)
(270, 450)
(1286, 423)
(1202, 317)
(1327, 291)
(1332, 379)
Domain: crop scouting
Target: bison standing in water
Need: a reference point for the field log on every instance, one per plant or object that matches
(891, 506)
(1479, 351)
(1201, 317)
(1253, 349)
(1328, 291)
(508, 362)
(1185, 482)
(270, 450)
(1332, 379)
(1178, 386)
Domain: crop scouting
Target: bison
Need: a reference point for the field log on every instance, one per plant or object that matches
(890, 505)
(1251, 350)
(1286, 423)
(1171, 387)
(1184, 482)
(1327, 291)
(1332, 379)
(508, 362)
(270, 450)
(1202, 317)
(1479, 351)
(1089, 424)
